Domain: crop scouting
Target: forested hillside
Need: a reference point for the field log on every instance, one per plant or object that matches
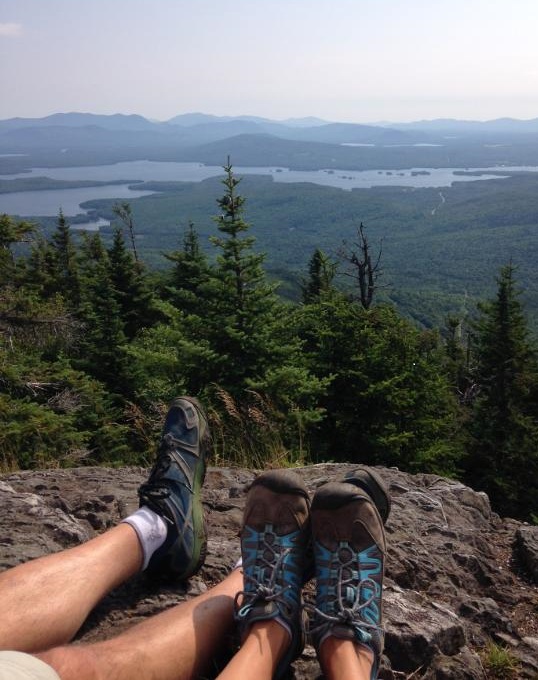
(94, 344)
(441, 246)
(443, 235)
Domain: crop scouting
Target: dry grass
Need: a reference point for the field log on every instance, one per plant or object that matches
(247, 433)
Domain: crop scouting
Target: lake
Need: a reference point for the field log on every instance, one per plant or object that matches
(48, 202)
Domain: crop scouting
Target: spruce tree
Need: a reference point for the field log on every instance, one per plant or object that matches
(11, 234)
(101, 347)
(388, 401)
(254, 355)
(503, 459)
(52, 267)
(244, 304)
(132, 292)
(188, 279)
(65, 261)
(321, 273)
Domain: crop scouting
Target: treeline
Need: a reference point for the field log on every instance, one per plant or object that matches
(94, 345)
(435, 264)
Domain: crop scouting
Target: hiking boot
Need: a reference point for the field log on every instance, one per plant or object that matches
(274, 538)
(349, 551)
(368, 480)
(173, 490)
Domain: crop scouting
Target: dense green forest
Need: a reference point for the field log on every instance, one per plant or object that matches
(95, 342)
(440, 246)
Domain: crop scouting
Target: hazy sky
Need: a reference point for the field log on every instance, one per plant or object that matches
(345, 60)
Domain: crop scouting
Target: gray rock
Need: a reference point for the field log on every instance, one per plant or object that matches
(527, 545)
(465, 665)
(418, 629)
(450, 582)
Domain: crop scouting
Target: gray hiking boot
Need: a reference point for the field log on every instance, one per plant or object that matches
(349, 552)
(274, 538)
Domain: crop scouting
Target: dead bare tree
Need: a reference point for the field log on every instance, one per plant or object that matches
(124, 212)
(364, 271)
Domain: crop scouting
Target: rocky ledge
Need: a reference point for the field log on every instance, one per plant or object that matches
(458, 577)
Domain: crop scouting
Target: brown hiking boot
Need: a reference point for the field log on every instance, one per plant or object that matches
(368, 480)
(274, 539)
(349, 552)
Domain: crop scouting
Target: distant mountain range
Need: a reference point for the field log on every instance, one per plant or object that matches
(64, 139)
(193, 129)
(120, 121)
(188, 119)
(186, 130)
(503, 125)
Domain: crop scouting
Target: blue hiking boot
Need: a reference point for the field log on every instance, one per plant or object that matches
(173, 490)
(274, 539)
(349, 552)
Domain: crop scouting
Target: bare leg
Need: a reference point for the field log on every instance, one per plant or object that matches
(260, 653)
(45, 601)
(174, 645)
(342, 659)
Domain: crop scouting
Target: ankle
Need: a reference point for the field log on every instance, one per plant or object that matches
(345, 658)
(73, 662)
(271, 636)
(151, 531)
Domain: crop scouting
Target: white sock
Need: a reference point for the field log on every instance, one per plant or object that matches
(151, 530)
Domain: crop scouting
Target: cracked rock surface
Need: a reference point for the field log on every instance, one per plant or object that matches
(457, 575)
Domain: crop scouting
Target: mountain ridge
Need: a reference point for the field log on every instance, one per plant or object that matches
(137, 121)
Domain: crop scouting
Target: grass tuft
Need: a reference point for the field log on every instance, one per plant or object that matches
(499, 662)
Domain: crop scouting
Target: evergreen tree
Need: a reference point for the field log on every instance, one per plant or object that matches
(49, 413)
(503, 459)
(101, 348)
(190, 274)
(52, 267)
(133, 295)
(243, 304)
(232, 339)
(171, 357)
(321, 273)
(66, 262)
(388, 401)
(40, 266)
(11, 233)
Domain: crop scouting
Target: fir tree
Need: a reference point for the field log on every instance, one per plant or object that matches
(244, 304)
(321, 273)
(52, 267)
(190, 274)
(388, 401)
(11, 234)
(503, 460)
(132, 291)
(101, 347)
(65, 261)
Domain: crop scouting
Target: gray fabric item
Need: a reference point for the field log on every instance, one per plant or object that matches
(21, 666)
